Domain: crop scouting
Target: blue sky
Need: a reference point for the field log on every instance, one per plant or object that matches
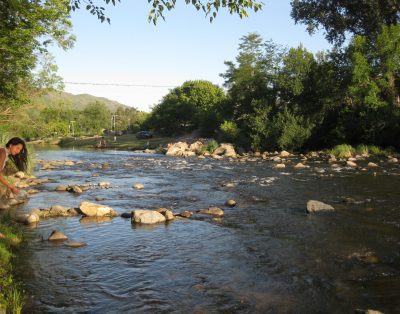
(184, 47)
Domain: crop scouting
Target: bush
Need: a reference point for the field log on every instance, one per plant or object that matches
(342, 151)
(229, 130)
(211, 146)
(375, 150)
(290, 131)
(362, 149)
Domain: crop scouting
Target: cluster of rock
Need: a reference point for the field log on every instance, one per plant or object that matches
(54, 164)
(198, 148)
(21, 181)
(183, 149)
(140, 216)
(144, 216)
(80, 188)
(85, 209)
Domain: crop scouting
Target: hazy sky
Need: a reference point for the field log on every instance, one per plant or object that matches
(184, 47)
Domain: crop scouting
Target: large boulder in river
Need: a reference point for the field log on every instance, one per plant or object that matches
(143, 216)
(166, 213)
(317, 206)
(57, 211)
(177, 149)
(96, 210)
(226, 150)
(196, 147)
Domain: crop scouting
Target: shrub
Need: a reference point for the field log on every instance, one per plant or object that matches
(289, 130)
(375, 150)
(362, 149)
(230, 131)
(342, 151)
(211, 146)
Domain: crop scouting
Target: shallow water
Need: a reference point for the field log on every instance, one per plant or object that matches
(265, 256)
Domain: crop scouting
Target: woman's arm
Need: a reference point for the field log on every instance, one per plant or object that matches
(4, 180)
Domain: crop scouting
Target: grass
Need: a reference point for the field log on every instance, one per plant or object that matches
(346, 151)
(362, 149)
(210, 146)
(342, 151)
(124, 142)
(11, 296)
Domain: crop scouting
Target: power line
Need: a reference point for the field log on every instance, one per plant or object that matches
(120, 85)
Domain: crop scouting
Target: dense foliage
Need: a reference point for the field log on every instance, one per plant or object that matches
(274, 97)
(26, 29)
(292, 99)
(194, 105)
(346, 17)
(40, 121)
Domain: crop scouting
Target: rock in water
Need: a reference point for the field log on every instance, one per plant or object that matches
(138, 186)
(230, 203)
(214, 211)
(147, 216)
(57, 236)
(75, 244)
(93, 209)
(316, 206)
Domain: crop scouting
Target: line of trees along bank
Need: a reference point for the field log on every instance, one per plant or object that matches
(291, 99)
(61, 119)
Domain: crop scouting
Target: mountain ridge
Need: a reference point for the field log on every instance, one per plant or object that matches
(79, 101)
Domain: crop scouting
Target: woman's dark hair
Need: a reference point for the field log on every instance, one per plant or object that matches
(20, 160)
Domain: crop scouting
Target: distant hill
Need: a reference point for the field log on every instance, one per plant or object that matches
(77, 101)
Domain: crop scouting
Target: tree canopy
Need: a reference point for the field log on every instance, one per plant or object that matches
(159, 7)
(190, 106)
(341, 17)
(26, 30)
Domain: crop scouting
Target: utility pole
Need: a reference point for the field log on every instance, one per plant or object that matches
(113, 121)
(72, 127)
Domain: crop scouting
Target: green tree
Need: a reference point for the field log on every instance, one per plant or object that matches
(129, 120)
(193, 105)
(94, 118)
(26, 29)
(253, 76)
(346, 17)
(363, 90)
(295, 74)
(252, 84)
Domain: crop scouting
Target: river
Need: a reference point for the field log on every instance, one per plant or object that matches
(266, 255)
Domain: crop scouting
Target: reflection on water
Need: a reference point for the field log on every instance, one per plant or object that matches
(266, 255)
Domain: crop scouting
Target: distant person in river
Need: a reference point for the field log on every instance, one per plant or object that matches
(16, 151)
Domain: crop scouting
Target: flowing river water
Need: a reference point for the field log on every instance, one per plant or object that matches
(266, 255)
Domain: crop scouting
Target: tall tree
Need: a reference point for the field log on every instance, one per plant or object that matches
(26, 29)
(342, 17)
(94, 118)
(193, 105)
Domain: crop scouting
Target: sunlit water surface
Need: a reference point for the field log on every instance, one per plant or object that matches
(266, 255)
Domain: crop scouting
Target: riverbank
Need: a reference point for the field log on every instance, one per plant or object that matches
(189, 144)
(11, 296)
(122, 142)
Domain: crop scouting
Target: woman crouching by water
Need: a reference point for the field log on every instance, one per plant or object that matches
(16, 151)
